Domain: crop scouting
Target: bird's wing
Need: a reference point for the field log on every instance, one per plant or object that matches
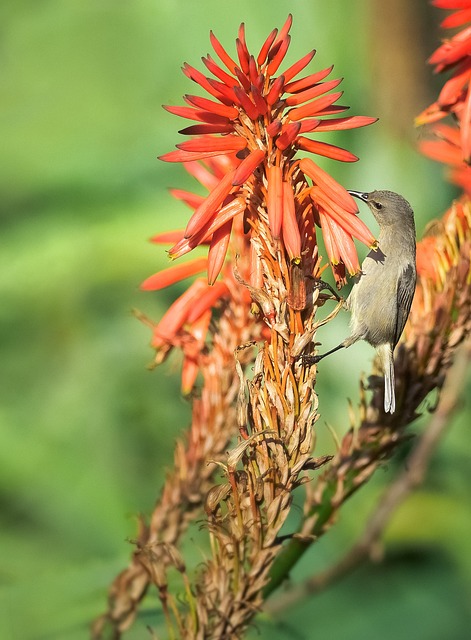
(405, 294)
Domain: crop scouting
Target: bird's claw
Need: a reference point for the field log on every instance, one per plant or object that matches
(310, 360)
(322, 286)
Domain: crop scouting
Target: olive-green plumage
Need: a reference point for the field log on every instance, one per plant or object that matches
(382, 295)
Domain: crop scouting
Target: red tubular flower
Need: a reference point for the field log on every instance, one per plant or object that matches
(247, 167)
(218, 250)
(289, 225)
(174, 274)
(275, 199)
(454, 55)
(339, 244)
(210, 206)
(186, 322)
(207, 299)
(447, 148)
(166, 330)
(190, 367)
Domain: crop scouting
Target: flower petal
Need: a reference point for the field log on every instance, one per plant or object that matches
(466, 128)
(204, 82)
(209, 105)
(193, 200)
(213, 143)
(285, 28)
(203, 129)
(450, 4)
(278, 57)
(253, 72)
(242, 51)
(452, 89)
(309, 125)
(350, 122)
(167, 237)
(308, 81)
(176, 315)
(190, 367)
(456, 19)
(348, 221)
(184, 245)
(330, 110)
(288, 134)
(246, 103)
(200, 172)
(256, 268)
(298, 66)
(248, 166)
(276, 90)
(290, 228)
(330, 245)
(243, 79)
(324, 149)
(259, 100)
(442, 151)
(210, 205)
(186, 156)
(314, 107)
(452, 51)
(430, 114)
(230, 209)
(275, 200)
(222, 53)
(190, 370)
(331, 187)
(173, 274)
(207, 299)
(226, 94)
(218, 249)
(345, 247)
(217, 71)
(274, 128)
(313, 92)
(450, 134)
(262, 56)
(196, 114)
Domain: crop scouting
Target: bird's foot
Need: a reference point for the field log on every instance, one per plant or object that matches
(310, 360)
(322, 286)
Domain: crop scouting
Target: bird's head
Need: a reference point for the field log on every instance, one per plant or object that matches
(388, 207)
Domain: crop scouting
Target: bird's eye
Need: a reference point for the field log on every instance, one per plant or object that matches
(377, 205)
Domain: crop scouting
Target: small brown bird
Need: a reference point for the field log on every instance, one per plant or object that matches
(381, 297)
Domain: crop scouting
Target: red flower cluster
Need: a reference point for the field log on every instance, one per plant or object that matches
(242, 150)
(186, 322)
(255, 129)
(453, 145)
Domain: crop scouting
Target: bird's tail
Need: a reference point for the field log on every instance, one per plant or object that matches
(387, 362)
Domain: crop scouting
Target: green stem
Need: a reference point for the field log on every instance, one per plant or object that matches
(296, 548)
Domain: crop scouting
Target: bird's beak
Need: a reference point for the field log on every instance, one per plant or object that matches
(361, 195)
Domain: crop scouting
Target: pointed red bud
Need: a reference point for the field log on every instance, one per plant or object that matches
(248, 166)
(275, 199)
(173, 274)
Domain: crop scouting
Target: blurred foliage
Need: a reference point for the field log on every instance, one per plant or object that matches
(86, 430)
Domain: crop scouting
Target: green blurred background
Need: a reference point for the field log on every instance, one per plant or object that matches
(86, 429)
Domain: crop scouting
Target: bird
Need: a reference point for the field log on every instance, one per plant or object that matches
(381, 297)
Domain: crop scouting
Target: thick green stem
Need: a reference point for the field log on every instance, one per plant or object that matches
(290, 555)
(296, 548)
